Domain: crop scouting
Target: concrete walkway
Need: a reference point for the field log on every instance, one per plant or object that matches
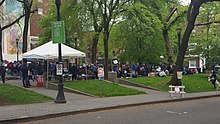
(81, 104)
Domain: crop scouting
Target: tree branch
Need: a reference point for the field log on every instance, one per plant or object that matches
(207, 23)
(21, 1)
(174, 21)
(15, 21)
(2, 2)
(174, 9)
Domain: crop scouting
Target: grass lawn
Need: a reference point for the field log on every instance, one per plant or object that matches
(108, 89)
(12, 95)
(193, 83)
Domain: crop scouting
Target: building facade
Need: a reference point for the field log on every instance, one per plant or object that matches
(12, 36)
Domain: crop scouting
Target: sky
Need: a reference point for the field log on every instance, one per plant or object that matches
(186, 2)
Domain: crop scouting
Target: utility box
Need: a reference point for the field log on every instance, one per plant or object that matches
(112, 76)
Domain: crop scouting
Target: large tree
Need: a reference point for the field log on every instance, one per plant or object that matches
(94, 18)
(192, 14)
(27, 5)
(168, 12)
(109, 10)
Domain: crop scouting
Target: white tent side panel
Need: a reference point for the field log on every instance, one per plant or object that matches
(50, 51)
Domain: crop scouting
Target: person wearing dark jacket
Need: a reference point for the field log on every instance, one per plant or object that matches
(2, 72)
(213, 78)
(74, 72)
(24, 74)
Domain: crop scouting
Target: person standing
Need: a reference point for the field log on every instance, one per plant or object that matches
(24, 74)
(2, 72)
(213, 78)
(74, 72)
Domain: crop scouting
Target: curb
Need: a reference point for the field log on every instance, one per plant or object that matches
(66, 89)
(34, 118)
(130, 83)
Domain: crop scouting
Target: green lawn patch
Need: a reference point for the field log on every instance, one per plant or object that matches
(12, 95)
(193, 83)
(108, 89)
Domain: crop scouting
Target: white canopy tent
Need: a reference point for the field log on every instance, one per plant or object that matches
(50, 51)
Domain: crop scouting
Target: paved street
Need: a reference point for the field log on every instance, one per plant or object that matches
(79, 105)
(205, 111)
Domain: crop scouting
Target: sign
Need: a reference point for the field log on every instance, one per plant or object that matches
(179, 75)
(59, 69)
(58, 32)
(101, 73)
(177, 89)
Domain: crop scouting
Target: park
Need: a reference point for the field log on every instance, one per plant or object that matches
(106, 54)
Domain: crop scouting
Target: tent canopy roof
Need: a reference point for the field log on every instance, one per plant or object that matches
(50, 51)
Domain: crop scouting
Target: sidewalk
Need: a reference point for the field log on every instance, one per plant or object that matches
(81, 104)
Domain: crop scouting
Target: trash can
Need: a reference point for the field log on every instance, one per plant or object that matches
(39, 81)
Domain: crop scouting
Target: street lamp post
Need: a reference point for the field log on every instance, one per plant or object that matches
(179, 72)
(179, 30)
(60, 96)
(112, 64)
(162, 59)
(75, 39)
(75, 44)
(17, 47)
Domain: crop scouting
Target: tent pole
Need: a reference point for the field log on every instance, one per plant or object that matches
(47, 74)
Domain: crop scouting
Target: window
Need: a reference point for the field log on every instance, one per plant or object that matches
(40, 11)
(192, 64)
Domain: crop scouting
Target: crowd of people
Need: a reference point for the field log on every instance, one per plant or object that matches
(29, 70)
(25, 70)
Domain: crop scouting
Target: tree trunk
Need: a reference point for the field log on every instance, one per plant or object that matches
(167, 46)
(106, 37)
(183, 47)
(1, 57)
(94, 46)
(26, 25)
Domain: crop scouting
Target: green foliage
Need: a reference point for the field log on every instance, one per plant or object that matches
(108, 89)
(69, 14)
(193, 83)
(12, 95)
(45, 24)
(141, 31)
(207, 36)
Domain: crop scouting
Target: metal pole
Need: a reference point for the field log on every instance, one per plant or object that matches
(17, 48)
(179, 42)
(75, 42)
(179, 35)
(101, 88)
(60, 96)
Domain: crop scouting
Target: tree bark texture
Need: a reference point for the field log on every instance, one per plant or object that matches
(94, 46)
(26, 25)
(167, 46)
(106, 37)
